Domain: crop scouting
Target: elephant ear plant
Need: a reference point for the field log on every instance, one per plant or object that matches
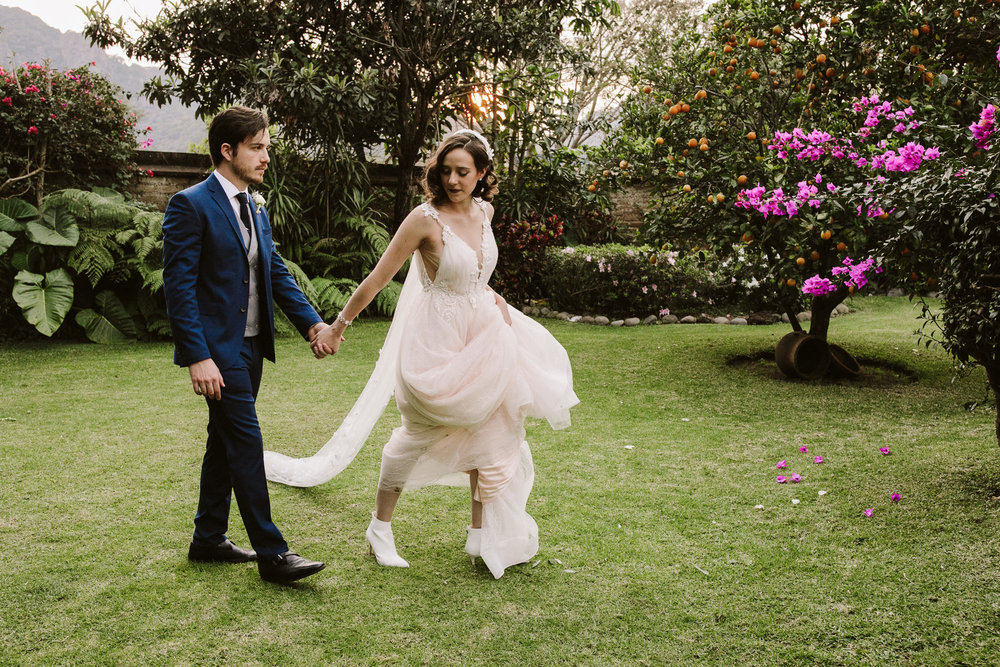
(88, 251)
(38, 243)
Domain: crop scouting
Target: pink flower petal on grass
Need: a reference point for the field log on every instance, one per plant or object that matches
(895, 497)
(781, 479)
(870, 512)
(796, 477)
(885, 451)
(781, 464)
(818, 459)
(803, 449)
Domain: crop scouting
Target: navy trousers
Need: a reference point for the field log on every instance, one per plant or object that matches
(234, 461)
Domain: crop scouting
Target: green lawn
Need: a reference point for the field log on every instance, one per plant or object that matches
(680, 549)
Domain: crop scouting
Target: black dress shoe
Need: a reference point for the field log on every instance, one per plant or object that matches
(287, 567)
(224, 552)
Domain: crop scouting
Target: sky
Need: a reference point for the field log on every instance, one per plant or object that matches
(66, 14)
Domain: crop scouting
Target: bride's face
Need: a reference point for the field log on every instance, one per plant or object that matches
(459, 175)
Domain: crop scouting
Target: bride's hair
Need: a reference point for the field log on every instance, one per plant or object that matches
(487, 185)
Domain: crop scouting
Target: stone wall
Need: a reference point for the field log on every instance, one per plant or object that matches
(629, 205)
(172, 172)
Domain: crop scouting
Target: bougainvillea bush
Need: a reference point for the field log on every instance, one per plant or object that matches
(627, 281)
(63, 129)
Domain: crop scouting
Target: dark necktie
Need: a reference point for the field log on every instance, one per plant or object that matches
(244, 209)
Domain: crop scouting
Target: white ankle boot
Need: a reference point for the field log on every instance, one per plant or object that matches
(382, 544)
(473, 542)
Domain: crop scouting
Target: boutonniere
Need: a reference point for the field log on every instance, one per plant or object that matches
(259, 200)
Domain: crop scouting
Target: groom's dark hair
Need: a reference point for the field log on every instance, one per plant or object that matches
(231, 126)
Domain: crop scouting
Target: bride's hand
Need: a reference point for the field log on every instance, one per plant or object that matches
(326, 341)
(502, 305)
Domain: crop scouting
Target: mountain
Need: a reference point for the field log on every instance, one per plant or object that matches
(26, 38)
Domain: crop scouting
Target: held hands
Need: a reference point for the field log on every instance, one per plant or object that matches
(206, 380)
(325, 339)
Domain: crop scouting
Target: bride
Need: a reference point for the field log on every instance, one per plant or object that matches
(466, 370)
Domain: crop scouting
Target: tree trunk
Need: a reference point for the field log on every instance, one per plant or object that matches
(822, 309)
(993, 375)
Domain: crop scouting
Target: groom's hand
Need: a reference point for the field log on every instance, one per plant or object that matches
(206, 380)
(323, 340)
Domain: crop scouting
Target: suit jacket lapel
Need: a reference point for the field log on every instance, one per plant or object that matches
(219, 195)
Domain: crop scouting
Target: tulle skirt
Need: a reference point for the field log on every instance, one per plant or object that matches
(465, 383)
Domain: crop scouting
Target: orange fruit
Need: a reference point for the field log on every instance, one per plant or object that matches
(685, 108)
(727, 49)
(741, 179)
(776, 30)
(692, 142)
(591, 187)
(814, 255)
(713, 72)
(752, 136)
(790, 282)
(659, 141)
(605, 173)
(915, 32)
(826, 235)
(925, 29)
(647, 89)
(821, 58)
(906, 251)
(720, 197)
(830, 72)
(703, 148)
(623, 164)
(680, 174)
(686, 188)
(754, 76)
(666, 116)
(834, 20)
(841, 247)
(800, 261)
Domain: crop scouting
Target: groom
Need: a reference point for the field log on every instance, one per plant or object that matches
(221, 272)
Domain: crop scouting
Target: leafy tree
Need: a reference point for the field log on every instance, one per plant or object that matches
(343, 75)
(62, 129)
(701, 130)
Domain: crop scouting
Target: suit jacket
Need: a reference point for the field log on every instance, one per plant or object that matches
(206, 278)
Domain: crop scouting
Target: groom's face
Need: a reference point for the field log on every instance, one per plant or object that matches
(249, 160)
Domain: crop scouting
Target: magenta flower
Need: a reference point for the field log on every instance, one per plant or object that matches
(781, 464)
(781, 479)
(796, 477)
(818, 286)
(32, 130)
(895, 497)
(8, 101)
(885, 451)
(32, 89)
(803, 449)
(870, 512)
(818, 459)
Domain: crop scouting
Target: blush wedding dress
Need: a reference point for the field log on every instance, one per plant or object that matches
(464, 382)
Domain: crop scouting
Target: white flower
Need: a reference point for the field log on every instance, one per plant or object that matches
(795, 501)
(259, 200)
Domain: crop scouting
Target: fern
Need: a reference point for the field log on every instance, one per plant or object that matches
(387, 299)
(303, 281)
(333, 293)
(99, 208)
(92, 255)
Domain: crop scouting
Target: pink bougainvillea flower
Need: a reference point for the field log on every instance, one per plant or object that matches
(781, 479)
(818, 459)
(796, 477)
(781, 464)
(870, 512)
(895, 497)
(885, 450)
(32, 130)
(8, 101)
(803, 449)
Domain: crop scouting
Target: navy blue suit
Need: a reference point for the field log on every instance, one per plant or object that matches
(206, 283)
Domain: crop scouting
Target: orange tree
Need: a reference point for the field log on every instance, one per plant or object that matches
(701, 128)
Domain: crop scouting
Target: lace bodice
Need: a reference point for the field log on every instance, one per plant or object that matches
(460, 276)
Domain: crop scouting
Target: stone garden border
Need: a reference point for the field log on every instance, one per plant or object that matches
(601, 320)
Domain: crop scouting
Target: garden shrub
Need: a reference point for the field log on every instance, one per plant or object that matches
(63, 129)
(628, 281)
(521, 245)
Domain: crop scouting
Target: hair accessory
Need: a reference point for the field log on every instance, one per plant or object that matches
(482, 139)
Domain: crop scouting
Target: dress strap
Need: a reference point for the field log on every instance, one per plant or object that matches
(431, 212)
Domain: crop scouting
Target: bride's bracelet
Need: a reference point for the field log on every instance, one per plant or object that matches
(340, 318)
